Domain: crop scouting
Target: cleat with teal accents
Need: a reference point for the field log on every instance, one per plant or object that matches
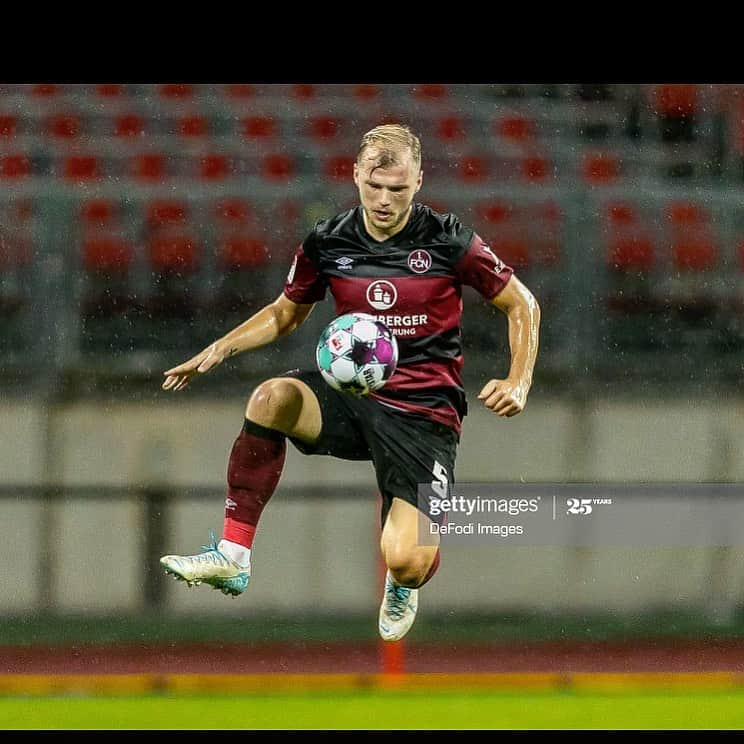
(209, 567)
(397, 611)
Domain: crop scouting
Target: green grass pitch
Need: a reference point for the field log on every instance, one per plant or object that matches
(381, 710)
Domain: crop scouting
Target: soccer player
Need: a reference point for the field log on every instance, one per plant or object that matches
(399, 260)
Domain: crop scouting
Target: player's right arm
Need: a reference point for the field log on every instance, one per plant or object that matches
(275, 320)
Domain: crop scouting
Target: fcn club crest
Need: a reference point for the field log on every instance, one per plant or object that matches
(419, 261)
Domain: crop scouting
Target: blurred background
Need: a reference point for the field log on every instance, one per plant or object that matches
(139, 222)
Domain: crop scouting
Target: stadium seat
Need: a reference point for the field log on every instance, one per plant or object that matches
(695, 253)
(239, 90)
(110, 90)
(600, 168)
(63, 126)
(160, 213)
(451, 128)
(339, 168)
(8, 125)
(535, 169)
(233, 212)
(429, 91)
(243, 251)
(676, 108)
(15, 166)
(97, 212)
(631, 253)
(107, 254)
(259, 127)
(129, 125)
(192, 126)
(278, 167)
(173, 254)
(148, 167)
(304, 91)
(684, 214)
(81, 168)
(473, 168)
(511, 247)
(45, 90)
(366, 92)
(323, 127)
(621, 214)
(515, 127)
(214, 167)
(495, 212)
(176, 90)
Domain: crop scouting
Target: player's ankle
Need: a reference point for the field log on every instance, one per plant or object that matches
(237, 553)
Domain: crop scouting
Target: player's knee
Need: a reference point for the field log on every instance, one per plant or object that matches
(408, 567)
(275, 403)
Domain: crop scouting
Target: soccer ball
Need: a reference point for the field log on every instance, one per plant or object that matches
(356, 354)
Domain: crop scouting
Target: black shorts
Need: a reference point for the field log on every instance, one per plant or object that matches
(405, 449)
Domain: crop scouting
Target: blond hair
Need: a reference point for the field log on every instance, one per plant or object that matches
(391, 139)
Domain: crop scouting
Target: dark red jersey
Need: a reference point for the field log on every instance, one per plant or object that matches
(413, 283)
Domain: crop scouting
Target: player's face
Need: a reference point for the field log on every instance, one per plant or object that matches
(386, 194)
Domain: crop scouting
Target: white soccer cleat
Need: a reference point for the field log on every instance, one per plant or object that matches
(397, 611)
(210, 567)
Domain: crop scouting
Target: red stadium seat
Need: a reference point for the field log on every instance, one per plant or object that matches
(214, 167)
(166, 212)
(430, 91)
(339, 168)
(176, 90)
(174, 254)
(97, 212)
(82, 168)
(686, 214)
(148, 167)
(451, 128)
(366, 92)
(303, 91)
(512, 249)
(495, 212)
(15, 166)
(129, 125)
(63, 126)
(259, 127)
(600, 168)
(45, 90)
(110, 90)
(473, 168)
(241, 251)
(535, 168)
(278, 167)
(8, 125)
(695, 253)
(631, 253)
(676, 99)
(516, 128)
(107, 254)
(233, 211)
(240, 90)
(621, 214)
(193, 126)
(323, 127)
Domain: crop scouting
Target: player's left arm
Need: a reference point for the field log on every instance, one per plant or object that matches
(509, 396)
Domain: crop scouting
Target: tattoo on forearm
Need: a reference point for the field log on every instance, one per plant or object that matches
(232, 351)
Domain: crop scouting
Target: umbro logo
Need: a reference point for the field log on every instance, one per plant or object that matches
(345, 263)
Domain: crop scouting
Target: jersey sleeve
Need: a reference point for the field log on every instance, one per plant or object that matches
(481, 268)
(305, 284)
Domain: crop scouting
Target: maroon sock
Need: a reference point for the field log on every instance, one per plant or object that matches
(432, 570)
(256, 463)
